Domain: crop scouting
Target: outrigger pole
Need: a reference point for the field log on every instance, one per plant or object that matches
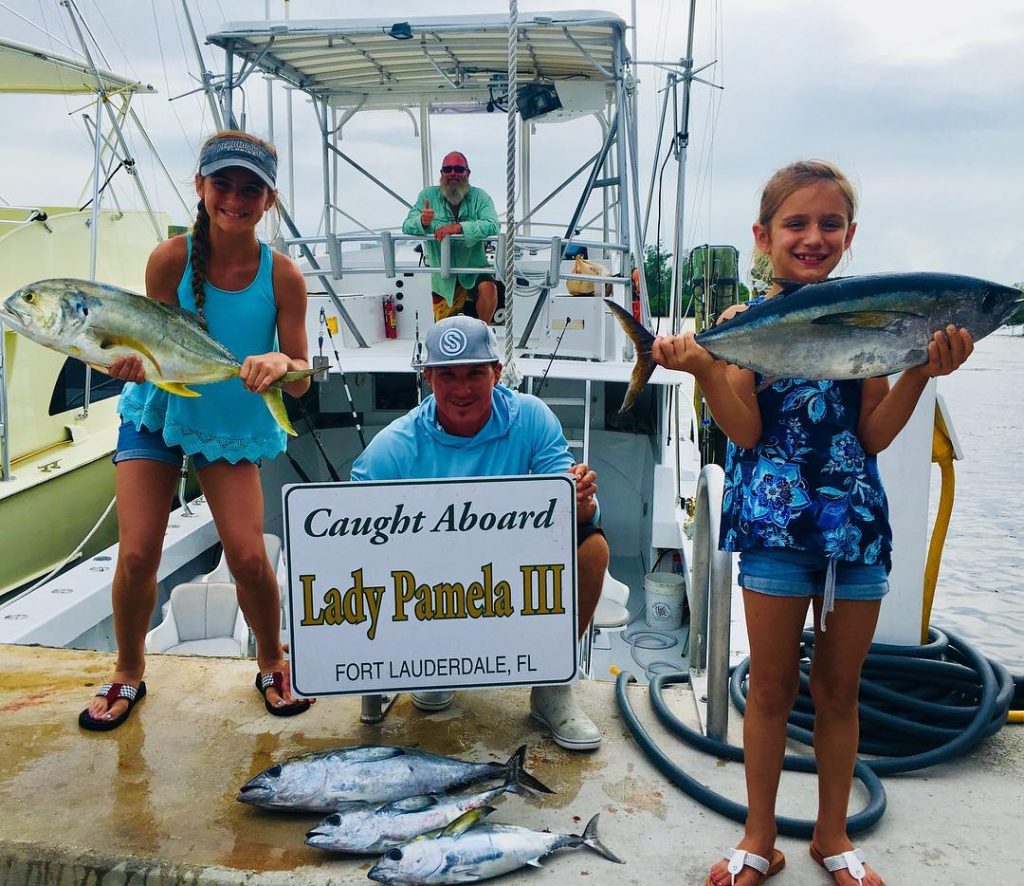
(128, 162)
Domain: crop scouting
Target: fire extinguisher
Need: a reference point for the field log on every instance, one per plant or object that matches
(390, 318)
(637, 313)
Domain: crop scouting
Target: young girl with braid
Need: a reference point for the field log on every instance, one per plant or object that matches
(253, 300)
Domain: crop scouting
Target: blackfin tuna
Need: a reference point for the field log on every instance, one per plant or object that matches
(359, 827)
(465, 851)
(849, 327)
(322, 781)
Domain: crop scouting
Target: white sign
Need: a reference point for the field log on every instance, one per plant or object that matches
(431, 584)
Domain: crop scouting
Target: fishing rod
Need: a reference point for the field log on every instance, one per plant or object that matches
(325, 323)
(554, 354)
(417, 360)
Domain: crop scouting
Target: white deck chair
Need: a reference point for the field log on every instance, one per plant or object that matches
(220, 572)
(611, 614)
(203, 618)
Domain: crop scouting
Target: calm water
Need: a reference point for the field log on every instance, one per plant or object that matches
(981, 583)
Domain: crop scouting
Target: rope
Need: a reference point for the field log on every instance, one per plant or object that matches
(511, 376)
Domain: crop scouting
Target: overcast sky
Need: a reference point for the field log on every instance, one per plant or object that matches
(920, 102)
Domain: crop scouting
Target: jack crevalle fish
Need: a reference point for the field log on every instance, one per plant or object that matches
(322, 781)
(465, 851)
(849, 327)
(359, 827)
(100, 324)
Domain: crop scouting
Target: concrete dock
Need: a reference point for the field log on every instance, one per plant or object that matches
(154, 801)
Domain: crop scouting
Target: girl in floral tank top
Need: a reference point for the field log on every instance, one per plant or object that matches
(804, 507)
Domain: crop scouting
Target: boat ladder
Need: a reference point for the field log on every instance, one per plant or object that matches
(580, 447)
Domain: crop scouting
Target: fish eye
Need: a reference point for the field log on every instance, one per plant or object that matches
(30, 297)
(333, 819)
(393, 855)
(274, 771)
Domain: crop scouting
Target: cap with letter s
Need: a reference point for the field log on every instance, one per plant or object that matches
(459, 340)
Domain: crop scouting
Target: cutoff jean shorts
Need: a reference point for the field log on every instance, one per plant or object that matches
(786, 573)
(150, 445)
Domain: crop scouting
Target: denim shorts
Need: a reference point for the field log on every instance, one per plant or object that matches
(150, 445)
(786, 573)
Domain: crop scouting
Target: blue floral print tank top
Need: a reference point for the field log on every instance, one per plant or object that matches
(808, 485)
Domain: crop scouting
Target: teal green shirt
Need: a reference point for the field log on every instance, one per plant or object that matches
(478, 218)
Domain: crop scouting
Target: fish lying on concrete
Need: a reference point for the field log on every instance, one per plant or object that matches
(466, 851)
(322, 781)
(360, 827)
(100, 324)
(849, 327)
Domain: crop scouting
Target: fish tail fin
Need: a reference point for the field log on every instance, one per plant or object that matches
(296, 375)
(590, 839)
(642, 340)
(642, 371)
(637, 332)
(275, 403)
(517, 773)
(174, 387)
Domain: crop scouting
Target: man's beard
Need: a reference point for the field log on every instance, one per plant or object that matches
(455, 192)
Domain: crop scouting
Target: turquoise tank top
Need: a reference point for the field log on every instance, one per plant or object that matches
(226, 421)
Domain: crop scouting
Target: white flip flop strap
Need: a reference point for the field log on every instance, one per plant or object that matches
(848, 861)
(740, 858)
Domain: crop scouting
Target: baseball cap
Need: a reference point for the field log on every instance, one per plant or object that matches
(224, 153)
(460, 339)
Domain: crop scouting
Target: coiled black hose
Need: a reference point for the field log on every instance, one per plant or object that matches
(920, 705)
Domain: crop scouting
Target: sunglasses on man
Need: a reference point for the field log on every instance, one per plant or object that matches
(457, 169)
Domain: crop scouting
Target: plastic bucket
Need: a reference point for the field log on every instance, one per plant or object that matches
(664, 594)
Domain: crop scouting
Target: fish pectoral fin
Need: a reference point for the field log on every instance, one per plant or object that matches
(175, 387)
(411, 804)
(108, 340)
(465, 821)
(464, 873)
(535, 862)
(882, 321)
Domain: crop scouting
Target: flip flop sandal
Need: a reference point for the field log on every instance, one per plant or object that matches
(276, 679)
(739, 859)
(112, 692)
(852, 861)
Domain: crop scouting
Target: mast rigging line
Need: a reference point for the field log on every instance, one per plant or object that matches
(510, 374)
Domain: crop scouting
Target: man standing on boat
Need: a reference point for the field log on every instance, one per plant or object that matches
(473, 426)
(456, 207)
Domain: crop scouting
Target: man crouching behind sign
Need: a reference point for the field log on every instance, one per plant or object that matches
(474, 427)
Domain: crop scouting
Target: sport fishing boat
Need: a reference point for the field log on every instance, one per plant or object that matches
(57, 419)
(660, 491)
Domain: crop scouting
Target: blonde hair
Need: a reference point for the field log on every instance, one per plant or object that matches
(201, 226)
(781, 185)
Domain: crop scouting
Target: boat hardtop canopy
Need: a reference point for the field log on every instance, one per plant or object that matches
(389, 63)
(28, 69)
